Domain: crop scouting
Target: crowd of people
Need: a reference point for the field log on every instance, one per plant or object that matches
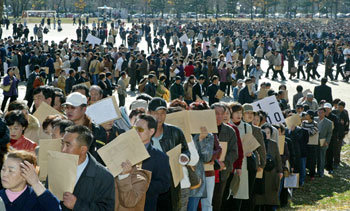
(174, 74)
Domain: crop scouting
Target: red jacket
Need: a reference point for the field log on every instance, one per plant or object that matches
(23, 144)
(238, 163)
(189, 70)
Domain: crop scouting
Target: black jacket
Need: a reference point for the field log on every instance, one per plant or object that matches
(197, 90)
(158, 164)
(212, 90)
(323, 92)
(95, 189)
(150, 89)
(70, 82)
(244, 96)
(172, 136)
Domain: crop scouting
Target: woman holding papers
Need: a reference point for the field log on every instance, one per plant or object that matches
(272, 173)
(204, 144)
(23, 190)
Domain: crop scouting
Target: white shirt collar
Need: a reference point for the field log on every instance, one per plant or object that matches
(81, 168)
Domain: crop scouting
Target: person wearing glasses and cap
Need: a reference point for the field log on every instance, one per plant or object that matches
(166, 138)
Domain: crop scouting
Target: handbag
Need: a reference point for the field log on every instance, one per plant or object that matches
(293, 70)
(6, 88)
(278, 68)
(234, 185)
(195, 180)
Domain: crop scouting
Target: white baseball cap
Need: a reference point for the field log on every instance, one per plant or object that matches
(327, 105)
(76, 99)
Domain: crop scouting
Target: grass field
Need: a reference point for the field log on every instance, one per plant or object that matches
(331, 192)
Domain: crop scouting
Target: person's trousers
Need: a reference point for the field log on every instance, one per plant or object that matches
(185, 194)
(268, 70)
(321, 159)
(193, 203)
(206, 203)
(314, 71)
(249, 203)
(330, 154)
(228, 202)
(302, 171)
(311, 159)
(337, 150)
(121, 100)
(94, 78)
(218, 193)
(300, 70)
(4, 102)
(258, 59)
(280, 72)
(339, 70)
(328, 73)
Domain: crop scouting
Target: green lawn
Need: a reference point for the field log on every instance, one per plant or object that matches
(331, 192)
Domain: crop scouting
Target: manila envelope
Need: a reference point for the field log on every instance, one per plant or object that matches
(175, 166)
(45, 146)
(208, 167)
(219, 94)
(249, 143)
(281, 140)
(104, 110)
(262, 93)
(313, 140)
(259, 174)
(224, 150)
(88, 84)
(293, 120)
(204, 118)
(180, 120)
(285, 95)
(127, 146)
(322, 141)
(43, 111)
(62, 172)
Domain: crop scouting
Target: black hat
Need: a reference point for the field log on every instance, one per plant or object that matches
(156, 104)
(178, 78)
(201, 77)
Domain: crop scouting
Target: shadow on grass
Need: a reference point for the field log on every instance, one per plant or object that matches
(327, 192)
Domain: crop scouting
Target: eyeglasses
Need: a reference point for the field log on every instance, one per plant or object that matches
(138, 129)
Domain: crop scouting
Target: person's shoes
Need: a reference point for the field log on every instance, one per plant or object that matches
(330, 172)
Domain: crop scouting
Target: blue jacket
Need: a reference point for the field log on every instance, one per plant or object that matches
(158, 164)
(28, 201)
(13, 90)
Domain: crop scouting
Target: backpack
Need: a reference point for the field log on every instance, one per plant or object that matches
(93, 69)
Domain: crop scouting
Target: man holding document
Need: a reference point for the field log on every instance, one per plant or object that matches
(166, 138)
(94, 188)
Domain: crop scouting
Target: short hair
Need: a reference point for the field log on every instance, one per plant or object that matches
(200, 105)
(236, 107)
(50, 120)
(336, 101)
(23, 155)
(136, 112)
(323, 81)
(151, 122)
(269, 127)
(341, 103)
(47, 92)
(82, 87)
(71, 71)
(85, 136)
(63, 124)
(218, 105)
(97, 88)
(101, 76)
(299, 88)
(18, 105)
(61, 97)
(16, 116)
(180, 103)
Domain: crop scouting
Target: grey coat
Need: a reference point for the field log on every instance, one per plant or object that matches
(205, 151)
(325, 129)
(227, 134)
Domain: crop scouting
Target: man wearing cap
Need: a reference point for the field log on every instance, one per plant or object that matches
(325, 132)
(246, 95)
(198, 89)
(177, 90)
(334, 139)
(310, 101)
(75, 107)
(237, 89)
(166, 138)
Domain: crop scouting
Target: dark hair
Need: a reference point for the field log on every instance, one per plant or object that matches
(341, 103)
(151, 122)
(51, 120)
(323, 81)
(200, 105)
(101, 76)
(83, 87)
(62, 124)
(177, 102)
(16, 116)
(267, 126)
(299, 88)
(85, 136)
(236, 107)
(71, 71)
(219, 105)
(17, 105)
(47, 92)
(136, 112)
(336, 101)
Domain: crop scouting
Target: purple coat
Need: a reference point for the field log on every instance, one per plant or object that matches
(13, 90)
